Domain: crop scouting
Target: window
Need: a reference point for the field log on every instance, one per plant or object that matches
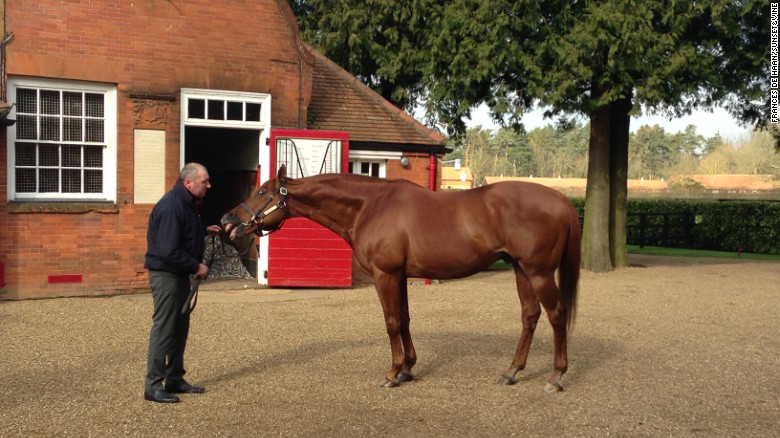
(371, 163)
(63, 144)
(368, 168)
(224, 108)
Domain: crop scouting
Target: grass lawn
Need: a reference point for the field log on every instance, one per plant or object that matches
(680, 252)
(676, 252)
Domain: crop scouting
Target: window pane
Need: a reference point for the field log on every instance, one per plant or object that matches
(370, 168)
(25, 154)
(50, 102)
(26, 101)
(93, 156)
(71, 104)
(49, 181)
(235, 110)
(196, 109)
(50, 128)
(93, 181)
(25, 180)
(94, 104)
(46, 119)
(25, 127)
(252, 112)
(71, 156)
(49, 155)
(216, 110)
(72, 129)
(94, 130)
(71, 181)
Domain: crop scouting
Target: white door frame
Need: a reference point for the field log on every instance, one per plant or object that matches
(260, 122)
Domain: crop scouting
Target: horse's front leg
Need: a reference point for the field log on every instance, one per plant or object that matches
(389, 289)
(410, 355)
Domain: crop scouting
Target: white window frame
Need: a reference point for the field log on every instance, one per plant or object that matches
(263, 125)
(358, 157)
(110, 132)
(223, 96)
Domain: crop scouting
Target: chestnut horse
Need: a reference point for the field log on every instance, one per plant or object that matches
(399, 230)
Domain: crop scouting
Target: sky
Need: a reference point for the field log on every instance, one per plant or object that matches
(707, 123)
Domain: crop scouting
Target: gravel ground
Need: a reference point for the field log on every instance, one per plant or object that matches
(683, 347)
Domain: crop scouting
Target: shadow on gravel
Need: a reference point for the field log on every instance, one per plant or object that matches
(440, 353)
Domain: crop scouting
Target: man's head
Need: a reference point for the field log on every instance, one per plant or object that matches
(195, 178)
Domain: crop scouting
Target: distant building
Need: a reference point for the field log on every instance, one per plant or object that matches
(683, 186)
(456, 178)
(569, 186)
(750, 183)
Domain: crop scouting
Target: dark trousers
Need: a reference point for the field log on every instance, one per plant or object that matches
(169, 332)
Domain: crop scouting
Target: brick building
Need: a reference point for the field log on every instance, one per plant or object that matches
(111, 98)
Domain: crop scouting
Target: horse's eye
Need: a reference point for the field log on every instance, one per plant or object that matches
(260, 192)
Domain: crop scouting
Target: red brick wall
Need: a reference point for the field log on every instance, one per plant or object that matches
(145, 47)
(418, 170)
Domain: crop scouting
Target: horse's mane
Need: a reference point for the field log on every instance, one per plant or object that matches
(353, 179)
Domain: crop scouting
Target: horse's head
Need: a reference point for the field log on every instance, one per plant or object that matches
(265, 210)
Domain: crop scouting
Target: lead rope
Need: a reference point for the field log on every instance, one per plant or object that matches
(192, 297)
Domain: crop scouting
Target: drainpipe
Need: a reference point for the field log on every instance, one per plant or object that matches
(431, 185)
(6, 38)
(300, 93)
(432, 172)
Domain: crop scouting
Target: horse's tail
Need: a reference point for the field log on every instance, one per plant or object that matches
(569, 267)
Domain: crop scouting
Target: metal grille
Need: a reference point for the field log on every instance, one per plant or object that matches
(331, 160)
(313, 158)
(60, 139)
(287, 154)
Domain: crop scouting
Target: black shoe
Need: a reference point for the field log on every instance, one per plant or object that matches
(184, 388)
(160, 396)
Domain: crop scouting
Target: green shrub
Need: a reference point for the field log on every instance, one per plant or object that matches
(749, 226)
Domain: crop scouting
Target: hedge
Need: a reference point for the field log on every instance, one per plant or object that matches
(747, 226)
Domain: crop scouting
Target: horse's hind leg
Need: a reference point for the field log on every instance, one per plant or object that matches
(530, 316)
(550, 297)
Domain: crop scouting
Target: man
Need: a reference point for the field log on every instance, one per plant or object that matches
(175, 246)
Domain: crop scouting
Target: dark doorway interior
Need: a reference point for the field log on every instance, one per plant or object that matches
(231, 156)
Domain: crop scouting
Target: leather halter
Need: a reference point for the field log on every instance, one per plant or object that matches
(261, 213)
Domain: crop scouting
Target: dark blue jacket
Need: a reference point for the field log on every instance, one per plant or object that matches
(175, 241)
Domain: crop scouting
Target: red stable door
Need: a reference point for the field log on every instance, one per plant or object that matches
(303, 253)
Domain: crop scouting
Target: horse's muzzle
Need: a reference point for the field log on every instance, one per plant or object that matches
(233, 226)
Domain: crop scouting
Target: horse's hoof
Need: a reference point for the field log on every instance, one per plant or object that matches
(505, 380)
(389, 384)
(405, 377)
(552, 388)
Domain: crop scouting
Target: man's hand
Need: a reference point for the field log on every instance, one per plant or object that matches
(203, 271)
(213, 230)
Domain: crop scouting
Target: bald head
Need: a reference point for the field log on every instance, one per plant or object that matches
(191, 171)
(196, 179)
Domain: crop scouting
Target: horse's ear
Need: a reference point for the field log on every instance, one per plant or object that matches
(282, 173)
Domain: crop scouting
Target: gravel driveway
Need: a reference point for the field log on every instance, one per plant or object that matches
(682, 347)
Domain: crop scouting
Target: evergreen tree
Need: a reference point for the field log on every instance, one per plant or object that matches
(601, 59)
(607, 57)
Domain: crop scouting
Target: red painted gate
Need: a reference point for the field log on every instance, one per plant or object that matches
(303, 253)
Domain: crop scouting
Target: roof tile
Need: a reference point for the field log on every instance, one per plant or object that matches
(340, 102)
